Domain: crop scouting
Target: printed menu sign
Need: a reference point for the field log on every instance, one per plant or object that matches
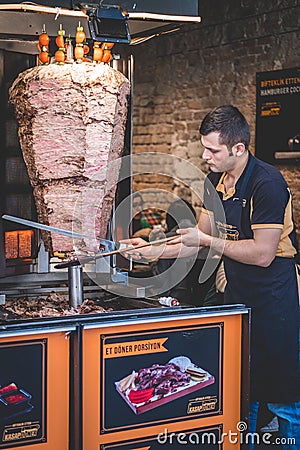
(206, 438)
(163, 376)
(22, 393)
(277, 114)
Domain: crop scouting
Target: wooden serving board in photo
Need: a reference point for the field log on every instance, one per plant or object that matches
(158, 400)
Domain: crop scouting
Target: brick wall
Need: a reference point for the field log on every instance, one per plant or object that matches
(181, 76)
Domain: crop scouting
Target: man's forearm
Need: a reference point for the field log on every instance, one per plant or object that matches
(246, 251)
(241, 251)
(178, 251)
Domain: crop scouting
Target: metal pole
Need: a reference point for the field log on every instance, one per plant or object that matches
(75, 285)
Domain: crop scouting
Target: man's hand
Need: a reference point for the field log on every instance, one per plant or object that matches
(191, 237)
(151, 252)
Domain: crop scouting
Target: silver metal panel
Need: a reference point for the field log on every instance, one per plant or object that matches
(28, 21)
(131, 290)
(34, 278)
(30, 24)
(170, 7)
(142, 320)
(66, 329)
(18, 45)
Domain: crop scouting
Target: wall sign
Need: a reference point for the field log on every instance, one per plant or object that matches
(277, 114)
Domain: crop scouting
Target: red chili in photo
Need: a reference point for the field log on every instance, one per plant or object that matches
(11, 399)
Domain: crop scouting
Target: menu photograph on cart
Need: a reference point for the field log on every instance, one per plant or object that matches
(209, 438)
(22, 393)
(166, 375)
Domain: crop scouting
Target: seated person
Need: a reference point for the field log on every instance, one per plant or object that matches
(180, 214)
(144, 219)
(140, 226)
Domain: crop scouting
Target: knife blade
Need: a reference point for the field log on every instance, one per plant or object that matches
(111, 245)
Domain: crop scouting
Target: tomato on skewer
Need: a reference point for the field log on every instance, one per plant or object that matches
(107, 56)
(108, 45)
(44, 58)
(78, 53)
(43, 47)
(80, 35)
(59, 40)
(60, 56)
(98, 53)
(86, 48)
(44, 38)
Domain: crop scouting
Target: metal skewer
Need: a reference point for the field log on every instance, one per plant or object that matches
(129, 249)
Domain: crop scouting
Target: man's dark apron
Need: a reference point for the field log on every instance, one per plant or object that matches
(271, 292)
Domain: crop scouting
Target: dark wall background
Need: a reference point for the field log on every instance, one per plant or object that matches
(179, 76)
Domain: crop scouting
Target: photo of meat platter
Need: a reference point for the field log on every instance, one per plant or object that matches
(13, 401)
(160, 384)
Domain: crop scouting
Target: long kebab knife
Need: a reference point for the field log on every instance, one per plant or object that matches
(123, 249)
(109, 245)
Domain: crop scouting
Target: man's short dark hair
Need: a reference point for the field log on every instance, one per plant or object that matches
(230, 123)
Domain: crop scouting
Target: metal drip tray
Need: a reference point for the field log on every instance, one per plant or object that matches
(122, 303)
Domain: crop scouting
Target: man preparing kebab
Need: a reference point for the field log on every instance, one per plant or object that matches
(258, 246)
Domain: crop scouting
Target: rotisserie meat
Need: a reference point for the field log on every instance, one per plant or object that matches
(72, 122)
